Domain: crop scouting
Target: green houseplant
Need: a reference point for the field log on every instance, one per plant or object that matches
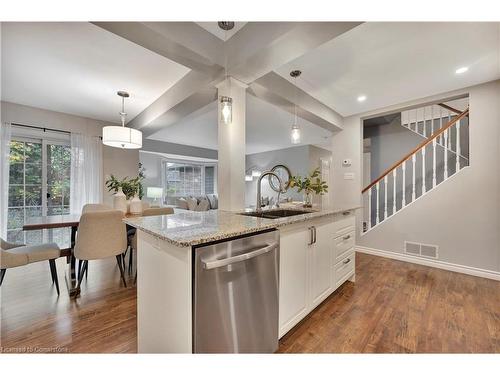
(309, 184)
(130, 186)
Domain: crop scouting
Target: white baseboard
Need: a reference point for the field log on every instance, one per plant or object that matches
(431, 263)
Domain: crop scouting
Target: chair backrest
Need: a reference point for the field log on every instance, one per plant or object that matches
(154, 211)
(100, 234)
(92, 207)
(8, 245)
(9, 260)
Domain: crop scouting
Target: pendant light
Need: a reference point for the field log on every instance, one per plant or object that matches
(226, 102)
(295, 133)
(121, 136)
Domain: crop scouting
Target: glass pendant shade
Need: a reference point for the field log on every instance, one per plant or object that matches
(226, 110)
(295, 134)
(121, 137)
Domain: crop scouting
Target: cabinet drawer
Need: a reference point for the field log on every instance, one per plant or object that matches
(344, 268)
(343, 244)
(343, 225)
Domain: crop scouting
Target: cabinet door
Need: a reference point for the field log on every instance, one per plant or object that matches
(321, 264)
(294, 277)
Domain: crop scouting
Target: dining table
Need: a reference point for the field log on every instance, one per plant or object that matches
(63, 221)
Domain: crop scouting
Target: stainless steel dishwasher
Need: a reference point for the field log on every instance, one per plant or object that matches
(236, 295)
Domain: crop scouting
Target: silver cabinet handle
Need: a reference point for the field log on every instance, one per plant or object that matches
(347, 261)
(311, 235)
(346, 237)
(239, 258)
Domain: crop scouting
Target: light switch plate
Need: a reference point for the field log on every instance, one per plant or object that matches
(349, 176)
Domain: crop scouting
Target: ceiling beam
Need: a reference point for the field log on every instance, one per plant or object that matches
(279, 91)
(183, 42)
(276, 44)
(188, 87)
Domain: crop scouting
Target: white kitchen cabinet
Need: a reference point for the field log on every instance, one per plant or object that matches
(311, 265)
(294, 276)
(320, 253)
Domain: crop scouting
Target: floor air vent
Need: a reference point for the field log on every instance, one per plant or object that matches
(421, 250)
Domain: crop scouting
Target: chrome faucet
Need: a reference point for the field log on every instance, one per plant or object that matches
(259, 197)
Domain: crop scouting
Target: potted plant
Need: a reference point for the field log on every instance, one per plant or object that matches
(309, 184)
(129, 187)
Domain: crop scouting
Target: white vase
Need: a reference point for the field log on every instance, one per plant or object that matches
(135, 205)
(120, 201)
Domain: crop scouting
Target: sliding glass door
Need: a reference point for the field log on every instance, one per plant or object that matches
(39, 178)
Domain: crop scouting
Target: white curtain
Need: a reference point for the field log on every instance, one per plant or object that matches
(5, 134)
(86, 171)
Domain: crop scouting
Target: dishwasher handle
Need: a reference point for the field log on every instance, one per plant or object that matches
(239, 258)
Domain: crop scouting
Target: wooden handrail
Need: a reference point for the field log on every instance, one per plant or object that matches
(418, 148)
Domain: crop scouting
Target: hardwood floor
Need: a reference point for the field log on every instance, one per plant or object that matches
(394, 307)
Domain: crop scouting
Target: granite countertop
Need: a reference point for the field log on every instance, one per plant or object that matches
(189, 228)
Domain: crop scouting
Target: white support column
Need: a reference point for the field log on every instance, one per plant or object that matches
(403, 203)
(231, 148)
(378, 203)
(413, 195)
(394, 174)
(424, 127)
(457, 147)
(434, 163)
(385, 197)
(423, 171)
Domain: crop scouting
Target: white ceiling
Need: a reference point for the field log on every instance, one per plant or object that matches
(213, 28)
(267, 128)
(395, 62)
(77, 68)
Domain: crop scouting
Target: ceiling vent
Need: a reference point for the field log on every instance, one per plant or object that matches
(421, 250)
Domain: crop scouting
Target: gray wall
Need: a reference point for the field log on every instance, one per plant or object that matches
(300, 160)
(462, 215)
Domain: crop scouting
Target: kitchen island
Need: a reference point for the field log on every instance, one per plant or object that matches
(315, 254)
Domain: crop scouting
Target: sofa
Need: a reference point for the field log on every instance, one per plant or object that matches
(201, 203)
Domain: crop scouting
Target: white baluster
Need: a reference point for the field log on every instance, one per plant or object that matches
(432, 119)
(369, 208)
(457, 166)
(385, 197)
(445, 154)
(394, 191)
(424, 126)
(378, 204)
(423, 171)
(441, 125)
(403, 202)
(416, 120)
(434, 162)
(413, 195)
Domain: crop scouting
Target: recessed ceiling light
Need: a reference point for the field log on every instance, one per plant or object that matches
(361, 98)
(461, 70)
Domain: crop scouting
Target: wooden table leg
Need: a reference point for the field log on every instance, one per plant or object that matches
(71, 280)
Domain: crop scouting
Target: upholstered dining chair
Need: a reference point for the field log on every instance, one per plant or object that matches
(153, 211)
(15, 255)
(101, 234)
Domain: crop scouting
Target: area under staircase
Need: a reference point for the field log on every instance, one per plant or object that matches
(443, 152)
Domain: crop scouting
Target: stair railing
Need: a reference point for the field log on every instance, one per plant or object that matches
(381, 211)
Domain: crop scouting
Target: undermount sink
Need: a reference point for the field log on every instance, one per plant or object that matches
(275, 214)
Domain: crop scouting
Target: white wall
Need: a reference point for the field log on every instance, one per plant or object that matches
(119, 162)
(462, 215)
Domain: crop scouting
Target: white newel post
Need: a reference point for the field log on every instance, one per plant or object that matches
(231, 147)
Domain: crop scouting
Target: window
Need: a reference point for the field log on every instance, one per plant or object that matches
(39, 178)
(188, 179)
